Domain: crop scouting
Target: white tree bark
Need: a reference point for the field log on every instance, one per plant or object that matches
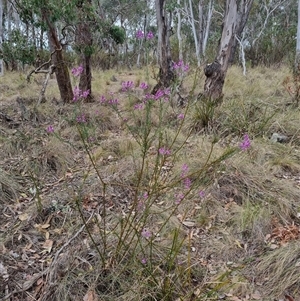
(179, 31)
(192, 21)
(207, 27)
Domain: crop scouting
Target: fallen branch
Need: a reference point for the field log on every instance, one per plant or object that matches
(48, 72)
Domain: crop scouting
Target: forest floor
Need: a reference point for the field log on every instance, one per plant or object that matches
(92, 208)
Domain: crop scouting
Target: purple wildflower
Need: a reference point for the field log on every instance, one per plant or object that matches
(143, 260)
(143, 86)
(81, 118)
(148, 96)
(179, 197)
(184, 170)
(202, 194)
(246, 143)
(180, 116)
(77, 71)
(138, 106)
(187, 183)
(113, 101)
(50, 129)
(146, 233)
(164, 151)
(77, 93)
(180, 67)
(127, 85)
(141, 206)
(85, 94)
(139, 34)
(159, 94)
(102, 99)
(186, 68)
(150, 35)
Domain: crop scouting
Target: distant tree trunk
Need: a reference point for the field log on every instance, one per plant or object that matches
(179, 32)
(215, 73)
(84, 43)
(297, 61)
(195, 34)
(207, 26)
(243, 15)
(166, 73)
(61, 69)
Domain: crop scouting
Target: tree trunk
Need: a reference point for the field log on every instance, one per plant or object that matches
(192, 21)
(61, 69)
(216, 72)
(180, 53)
(243, 15)
(297, 61)
(84, 43)
(1, 35)
(166, 73)
(207, 26)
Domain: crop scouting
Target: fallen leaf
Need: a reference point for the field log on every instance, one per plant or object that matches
(23, 217)
(188, 223)
(90, 296)
(47, 245)
(256, 295)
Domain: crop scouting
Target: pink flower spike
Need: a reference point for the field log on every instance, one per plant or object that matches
(150, 35)
(77, 71)
(138, 106)
(143, 260)
(139, 34)
(187, 183)
(50, 129)
(143, 86)
(179, 198)
(186, 68)
(146, 233)
(159, 94)
(164, 151)
(180, 116)
(85, 94)
(102, 99)
(201, 194)
(246, 143)
(184, 169)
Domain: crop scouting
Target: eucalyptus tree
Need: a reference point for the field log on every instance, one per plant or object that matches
(297, 59)
(234, 20)
(269, 35)
(166, 72)
(84, 43)
(46, 14)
